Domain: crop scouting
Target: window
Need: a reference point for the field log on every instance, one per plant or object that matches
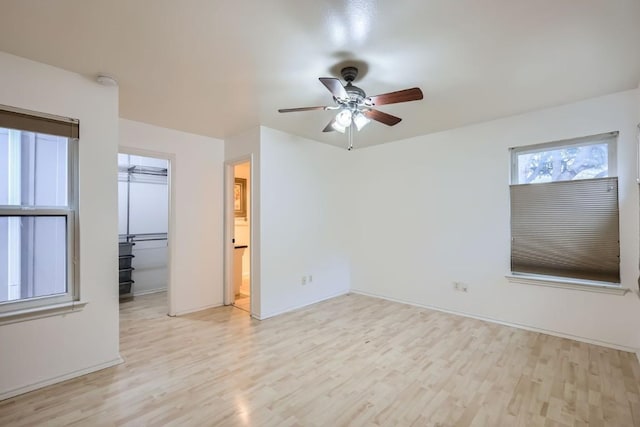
(38, 210)
(564, 210)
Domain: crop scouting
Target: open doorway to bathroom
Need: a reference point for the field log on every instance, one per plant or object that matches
(241, 236)
(143, 225)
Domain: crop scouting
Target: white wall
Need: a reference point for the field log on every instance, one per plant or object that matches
(196, 192)
(304, 217)
(435, 209)
(38, 352)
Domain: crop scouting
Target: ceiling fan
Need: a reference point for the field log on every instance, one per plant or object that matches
(355, 108)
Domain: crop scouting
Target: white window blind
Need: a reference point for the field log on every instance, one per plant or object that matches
(566, 229)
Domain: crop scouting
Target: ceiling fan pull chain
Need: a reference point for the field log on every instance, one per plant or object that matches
(350, 147)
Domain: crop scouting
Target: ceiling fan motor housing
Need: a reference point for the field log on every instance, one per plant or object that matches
(349, 74)
(356, 95)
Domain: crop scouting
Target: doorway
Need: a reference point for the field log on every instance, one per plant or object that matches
(241, 270)
(143, 226)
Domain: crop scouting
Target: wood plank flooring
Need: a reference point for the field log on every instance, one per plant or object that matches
(243, 302)
(352, 360)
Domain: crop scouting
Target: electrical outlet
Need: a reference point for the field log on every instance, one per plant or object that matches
(459, 286)
(304, 280)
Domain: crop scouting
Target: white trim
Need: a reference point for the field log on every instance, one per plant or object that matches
(638, 154)
(193, 310)
(41, 312)
(565, 283)
(510, 324)
(25, 389)
(299, 306)
(228, 296)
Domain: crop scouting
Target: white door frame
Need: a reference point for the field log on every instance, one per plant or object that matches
(171, 171)
(229, 224)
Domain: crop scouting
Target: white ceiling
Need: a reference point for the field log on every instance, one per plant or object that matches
(219, 67)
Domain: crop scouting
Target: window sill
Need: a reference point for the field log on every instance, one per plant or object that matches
(566, 283)
(40, 312)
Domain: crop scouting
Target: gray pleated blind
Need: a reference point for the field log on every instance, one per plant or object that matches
(566, 229)
(38, 123)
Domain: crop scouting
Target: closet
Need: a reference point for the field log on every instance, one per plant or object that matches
(143, 218)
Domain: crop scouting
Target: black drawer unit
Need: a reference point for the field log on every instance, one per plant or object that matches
(125, 259)
(125, 248)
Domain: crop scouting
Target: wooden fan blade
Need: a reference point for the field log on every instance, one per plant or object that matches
(335, 87)
(291, 110)
(413, 94)
(329, 127)
(381, 117)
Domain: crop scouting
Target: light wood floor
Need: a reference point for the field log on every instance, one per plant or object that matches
(243, 302)
(352, 360)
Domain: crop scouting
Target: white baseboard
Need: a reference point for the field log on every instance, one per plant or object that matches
(149, 291)
(299, 306)
(502, 322)
(31, 387)
(193, 310)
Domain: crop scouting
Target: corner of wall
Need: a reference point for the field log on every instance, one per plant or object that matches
(302, 187)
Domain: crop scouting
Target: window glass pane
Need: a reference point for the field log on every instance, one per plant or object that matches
(33, 256)
(564, 164)
(33, 169)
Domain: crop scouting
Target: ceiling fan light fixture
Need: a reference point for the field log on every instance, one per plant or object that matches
(336, 126)
(360, 120)
(343, 118)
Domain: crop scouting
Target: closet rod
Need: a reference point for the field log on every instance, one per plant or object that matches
(143, 237)
(148, 170)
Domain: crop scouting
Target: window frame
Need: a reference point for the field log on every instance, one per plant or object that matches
(583, 141)
(40, 306)
(611, 139)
